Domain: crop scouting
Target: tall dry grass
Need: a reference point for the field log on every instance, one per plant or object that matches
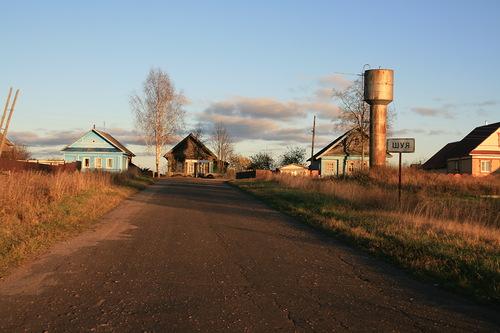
(426, 196)
(24, 196)
(37, 209)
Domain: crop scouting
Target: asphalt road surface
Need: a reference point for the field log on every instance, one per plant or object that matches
(188, 255)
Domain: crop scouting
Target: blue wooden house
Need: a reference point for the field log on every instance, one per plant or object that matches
(342, 156)
(98, 150)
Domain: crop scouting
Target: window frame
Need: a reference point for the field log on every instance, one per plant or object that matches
(95, 162)
(109, 159)
(485, 162)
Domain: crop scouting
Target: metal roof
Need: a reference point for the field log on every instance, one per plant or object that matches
(331, 145)
(108, 138)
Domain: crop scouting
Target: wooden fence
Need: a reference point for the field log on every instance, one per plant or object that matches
(254, 174)
(12, 165)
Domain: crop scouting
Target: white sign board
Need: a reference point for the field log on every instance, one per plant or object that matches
(401, 145)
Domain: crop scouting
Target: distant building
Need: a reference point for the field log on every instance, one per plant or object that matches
(98, 150)
(341, 156)
(294, 170)
(190, 157)
(477, 154)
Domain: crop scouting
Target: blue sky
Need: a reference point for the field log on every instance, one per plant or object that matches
(258, 65)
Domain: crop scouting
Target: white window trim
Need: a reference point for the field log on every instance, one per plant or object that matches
(95, 162)
(107, 164)
(482, 162)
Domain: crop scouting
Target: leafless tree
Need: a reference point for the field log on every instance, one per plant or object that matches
(159, 112)
(199, 132)
(355, 114)
(239, 162)
(18, 152)
(222, 144)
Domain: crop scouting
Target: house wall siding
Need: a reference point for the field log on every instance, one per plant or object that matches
(340, 164)
(118, 158)
(492, 142)
(476, 164)
(91, 140)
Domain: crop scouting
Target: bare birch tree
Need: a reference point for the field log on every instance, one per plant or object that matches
(159, 112)
(222, 144)
(354, 113)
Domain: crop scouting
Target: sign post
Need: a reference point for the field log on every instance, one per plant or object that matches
(400, 146)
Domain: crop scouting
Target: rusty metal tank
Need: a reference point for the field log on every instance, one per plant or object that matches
(378, 92)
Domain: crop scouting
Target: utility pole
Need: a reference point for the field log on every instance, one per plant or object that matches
(4, 134)
(313, 134)
(7, 102)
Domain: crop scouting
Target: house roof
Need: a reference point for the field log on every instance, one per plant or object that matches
(438, 160)
(195, 139)
(108, 138)
(331, 145)
(461, 148)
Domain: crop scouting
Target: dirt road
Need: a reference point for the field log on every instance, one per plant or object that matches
(190, 255)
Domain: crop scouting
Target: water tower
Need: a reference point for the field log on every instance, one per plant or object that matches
(378, 91)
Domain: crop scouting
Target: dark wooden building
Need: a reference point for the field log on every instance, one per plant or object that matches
(190, 157)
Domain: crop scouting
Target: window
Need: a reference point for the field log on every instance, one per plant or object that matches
(330, 167)
(109, 163)
(86, 162)
(486, 166)
(98, 163)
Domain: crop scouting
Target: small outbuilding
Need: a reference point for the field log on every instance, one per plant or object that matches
(342, 156)
(98, 150)
(477, 154)
(294, 170)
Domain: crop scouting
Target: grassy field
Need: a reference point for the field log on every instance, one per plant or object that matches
(446, 230)
(38, 209)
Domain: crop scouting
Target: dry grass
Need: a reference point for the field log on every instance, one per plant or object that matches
(443, 230)
(37, 209)
(438, 199)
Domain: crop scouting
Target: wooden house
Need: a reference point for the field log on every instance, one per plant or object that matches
(190, 157)
(341, 156)
(98, 150)
(477, 154)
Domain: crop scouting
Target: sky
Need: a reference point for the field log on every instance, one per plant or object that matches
(263, 68)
